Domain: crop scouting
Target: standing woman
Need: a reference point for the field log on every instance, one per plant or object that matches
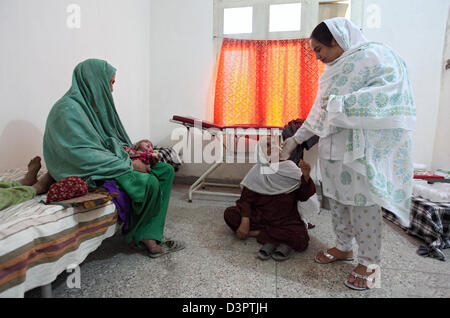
(364, 114)
(84, 137)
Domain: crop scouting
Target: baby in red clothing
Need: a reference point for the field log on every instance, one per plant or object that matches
(144, 151)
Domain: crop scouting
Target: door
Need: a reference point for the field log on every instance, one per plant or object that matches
(441, 149)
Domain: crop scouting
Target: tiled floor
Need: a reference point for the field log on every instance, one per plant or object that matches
(216, 264)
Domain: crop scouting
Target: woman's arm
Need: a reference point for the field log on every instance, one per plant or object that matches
(307, 187)
(138, 165)
(306, 190)
(289, 145)
(244, 205)
(302, 134)
(245, 202)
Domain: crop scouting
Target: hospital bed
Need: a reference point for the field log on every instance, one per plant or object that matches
(38, 242)
(230, 138)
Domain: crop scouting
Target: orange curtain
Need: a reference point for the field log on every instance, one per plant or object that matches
(265, 82)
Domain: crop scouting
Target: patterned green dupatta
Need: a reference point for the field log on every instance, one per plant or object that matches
(84, 136)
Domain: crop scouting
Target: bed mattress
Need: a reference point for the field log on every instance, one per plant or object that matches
(38, 242)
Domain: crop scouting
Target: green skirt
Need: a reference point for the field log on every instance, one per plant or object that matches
(149, 194)
(12, 192)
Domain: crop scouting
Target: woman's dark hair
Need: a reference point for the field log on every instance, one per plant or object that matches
(322, 34)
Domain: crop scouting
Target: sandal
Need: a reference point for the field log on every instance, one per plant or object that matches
(266, 251)
(370, 282)
(331, 258)
(140, 246)
(282, 253)
(169, 247)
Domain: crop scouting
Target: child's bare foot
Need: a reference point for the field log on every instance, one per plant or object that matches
(33, 168)
(43, 184)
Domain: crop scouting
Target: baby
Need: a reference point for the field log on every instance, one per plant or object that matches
(143, 150)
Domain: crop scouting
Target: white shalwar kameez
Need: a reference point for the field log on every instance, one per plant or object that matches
(364, 114)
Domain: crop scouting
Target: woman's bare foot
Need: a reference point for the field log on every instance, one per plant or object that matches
(153, 247)
(360, 282)
(338, 254)
(33, 168)
(253, 233)
(43, 184)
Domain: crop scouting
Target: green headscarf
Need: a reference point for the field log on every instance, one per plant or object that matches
(84, 136)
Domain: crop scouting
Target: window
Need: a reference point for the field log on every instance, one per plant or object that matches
(285, 17)
(279, 19)
(267, 73)
(237, 20)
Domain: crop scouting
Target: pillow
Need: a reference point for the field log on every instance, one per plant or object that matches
(70, 187)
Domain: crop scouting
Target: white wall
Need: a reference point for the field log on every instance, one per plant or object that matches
(181, 70)
(39, 52)
(415, 29)
(441, 154)
(181, 62)
(163, 50)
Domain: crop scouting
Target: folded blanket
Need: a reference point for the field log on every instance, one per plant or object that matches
(170, 156)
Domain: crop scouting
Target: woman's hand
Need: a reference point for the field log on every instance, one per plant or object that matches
(288, 146)
(244, 228)
(324, 102)
(306, 169)
(141, 167)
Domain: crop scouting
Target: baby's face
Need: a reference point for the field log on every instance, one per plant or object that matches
(145, 146)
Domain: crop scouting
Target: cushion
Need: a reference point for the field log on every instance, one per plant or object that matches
(70, 187)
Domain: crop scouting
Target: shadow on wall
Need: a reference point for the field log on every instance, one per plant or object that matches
(20, 141)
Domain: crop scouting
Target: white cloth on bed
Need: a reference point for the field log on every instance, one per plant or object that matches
(435, 192)
(27, 228)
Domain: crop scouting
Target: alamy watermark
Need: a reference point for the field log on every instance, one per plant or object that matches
(74, 279)
(73, 20)
(229, 145)
(373, 16)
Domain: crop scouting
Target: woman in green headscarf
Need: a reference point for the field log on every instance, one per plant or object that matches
(84, 137)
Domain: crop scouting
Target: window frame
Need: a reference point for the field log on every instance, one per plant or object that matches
(261, 20)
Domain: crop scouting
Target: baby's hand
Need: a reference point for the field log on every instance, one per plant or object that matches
(306, 169)
(154, 157)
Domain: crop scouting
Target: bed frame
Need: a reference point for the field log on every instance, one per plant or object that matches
(237, 131)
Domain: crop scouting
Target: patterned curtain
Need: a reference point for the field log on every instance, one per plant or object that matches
(268, 82)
